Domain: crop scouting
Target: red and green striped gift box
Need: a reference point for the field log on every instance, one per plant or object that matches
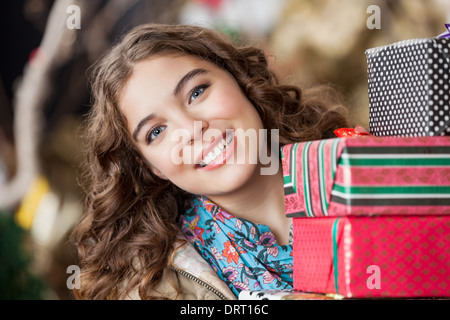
(367, 176)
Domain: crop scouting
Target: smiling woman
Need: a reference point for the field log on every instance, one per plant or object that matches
(178, 91)
(210, 225)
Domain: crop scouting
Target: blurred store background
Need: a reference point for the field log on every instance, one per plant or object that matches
(46, 50)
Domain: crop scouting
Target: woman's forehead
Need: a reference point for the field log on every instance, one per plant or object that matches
(166, 71)
(175, 61)
(163, 73)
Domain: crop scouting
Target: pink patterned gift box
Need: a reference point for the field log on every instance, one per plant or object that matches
(367, 176)
(373, 257)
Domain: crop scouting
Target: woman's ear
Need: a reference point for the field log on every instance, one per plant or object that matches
(158, 173)
(145, 166)
(141, 163)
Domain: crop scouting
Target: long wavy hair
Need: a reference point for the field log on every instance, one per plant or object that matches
(127, 234)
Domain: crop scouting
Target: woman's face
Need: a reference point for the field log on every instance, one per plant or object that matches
(192, 124)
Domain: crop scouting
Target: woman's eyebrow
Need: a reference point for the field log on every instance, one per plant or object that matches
(188, 76)
(141, 124)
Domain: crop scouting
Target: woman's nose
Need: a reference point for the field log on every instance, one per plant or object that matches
(192, 128)
(197, 130)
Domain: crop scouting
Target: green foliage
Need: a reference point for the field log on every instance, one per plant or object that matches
(17, 282)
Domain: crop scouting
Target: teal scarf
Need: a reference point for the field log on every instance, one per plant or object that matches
(243, 254)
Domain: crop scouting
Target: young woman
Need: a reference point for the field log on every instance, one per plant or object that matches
(177, 205)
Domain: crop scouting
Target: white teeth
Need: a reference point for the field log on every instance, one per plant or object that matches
(217, 151)
(229, 137)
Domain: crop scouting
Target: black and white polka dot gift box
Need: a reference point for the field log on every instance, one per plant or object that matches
(409, 84)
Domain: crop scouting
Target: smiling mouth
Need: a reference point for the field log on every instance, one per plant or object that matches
(218, 150)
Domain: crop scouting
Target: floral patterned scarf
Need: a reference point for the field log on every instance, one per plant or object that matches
(243, 254)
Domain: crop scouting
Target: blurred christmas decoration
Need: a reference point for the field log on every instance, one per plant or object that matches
(18, 281)
(324, 41)
(254, 19)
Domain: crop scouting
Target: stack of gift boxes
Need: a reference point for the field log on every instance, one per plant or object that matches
(371, 214)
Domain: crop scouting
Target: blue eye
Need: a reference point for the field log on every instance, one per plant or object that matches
(197, 92)
(154, 133)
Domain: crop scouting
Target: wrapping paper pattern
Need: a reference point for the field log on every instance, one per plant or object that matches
(285, 294)
(367, 176)
(409, 87)
(364, 257)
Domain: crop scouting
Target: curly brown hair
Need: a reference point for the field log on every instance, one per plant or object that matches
(127, 234)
